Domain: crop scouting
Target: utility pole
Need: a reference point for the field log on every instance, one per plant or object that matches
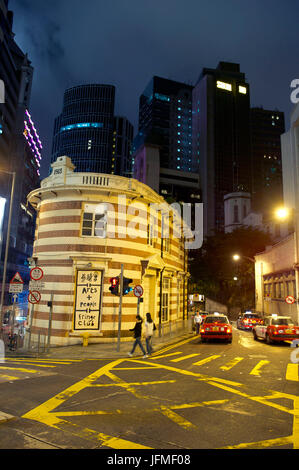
(7, 246)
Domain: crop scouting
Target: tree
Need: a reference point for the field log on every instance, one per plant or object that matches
(213, 270)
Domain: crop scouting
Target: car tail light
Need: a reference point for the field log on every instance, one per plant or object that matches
(202, 330)
(229, 330)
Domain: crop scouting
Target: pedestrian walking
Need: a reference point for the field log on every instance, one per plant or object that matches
(197, 322)
(137, 335)
(149, 330)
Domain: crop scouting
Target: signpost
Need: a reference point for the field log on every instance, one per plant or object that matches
(290, 299)
(34, 296)
(16, 285)
(36, 274)
(138, 292)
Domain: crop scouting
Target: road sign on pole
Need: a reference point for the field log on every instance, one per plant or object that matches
(16, 285)
(36, 273)
(34, 297)
(290, 299)
(138, 291)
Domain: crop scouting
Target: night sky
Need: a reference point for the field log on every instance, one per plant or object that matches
(126, 42)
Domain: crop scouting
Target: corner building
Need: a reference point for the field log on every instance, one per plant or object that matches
(79, 250)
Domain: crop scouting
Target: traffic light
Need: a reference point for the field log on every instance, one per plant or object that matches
(126, 286)
(114, 288)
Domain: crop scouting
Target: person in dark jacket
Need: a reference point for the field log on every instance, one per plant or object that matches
(137, 335)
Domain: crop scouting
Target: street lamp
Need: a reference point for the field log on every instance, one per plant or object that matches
(237, 257)
(7, 245)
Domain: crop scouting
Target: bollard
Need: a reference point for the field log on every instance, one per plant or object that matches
(85, 337)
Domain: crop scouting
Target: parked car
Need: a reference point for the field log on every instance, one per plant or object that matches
(216, 326)
(247, 320)
(276, 328)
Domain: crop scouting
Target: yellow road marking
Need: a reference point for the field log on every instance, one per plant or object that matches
(165, 355)
(8, 377)
(32, 359)
(293, 372)
(19, 369)
(232, 363)
(41, 363)
(33, 364)
(184, 423)
(168, 348)
(157, 382)
(45, 413)
(206, 360)
(179, 359)
(257, 368)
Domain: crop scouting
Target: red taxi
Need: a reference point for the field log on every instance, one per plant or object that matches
(216, 326)
(247, 320)
(276, 328)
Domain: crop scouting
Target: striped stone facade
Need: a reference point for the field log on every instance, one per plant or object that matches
(65, 243)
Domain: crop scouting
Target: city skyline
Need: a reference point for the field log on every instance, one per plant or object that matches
(153, 41)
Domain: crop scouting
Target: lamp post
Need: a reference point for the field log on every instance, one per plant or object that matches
(7, 245)
(236, 257)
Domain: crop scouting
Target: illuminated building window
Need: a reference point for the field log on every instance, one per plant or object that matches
(224, 86)
(94, 225)
(242, 89)
(82, 125)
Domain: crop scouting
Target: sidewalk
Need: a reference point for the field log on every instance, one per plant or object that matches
(103, 350)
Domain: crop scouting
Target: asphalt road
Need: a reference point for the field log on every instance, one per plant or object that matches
(243, 395)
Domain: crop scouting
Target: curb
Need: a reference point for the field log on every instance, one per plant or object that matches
(104, 355)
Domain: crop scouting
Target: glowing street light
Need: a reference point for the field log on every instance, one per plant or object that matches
(237, 257)
(282, 213)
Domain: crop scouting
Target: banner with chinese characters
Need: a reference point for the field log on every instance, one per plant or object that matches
(88, 300)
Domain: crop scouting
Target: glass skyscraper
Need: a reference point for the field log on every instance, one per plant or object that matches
(84, 129)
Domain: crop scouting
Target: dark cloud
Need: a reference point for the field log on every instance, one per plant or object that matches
(126, 42)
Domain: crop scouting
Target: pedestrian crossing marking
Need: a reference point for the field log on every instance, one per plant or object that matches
(8, 377)
(257, 368)
(206, 360)
(41, 361)
(33, 364)
(178, 359)
(293, 372)
(232, 363)
(165, 355)
(19, 369)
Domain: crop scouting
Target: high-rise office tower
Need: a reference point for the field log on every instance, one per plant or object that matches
(122, 147)
(85, 131)
(266, 128)
(165, 121)
(20, 149)
(221, 138)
